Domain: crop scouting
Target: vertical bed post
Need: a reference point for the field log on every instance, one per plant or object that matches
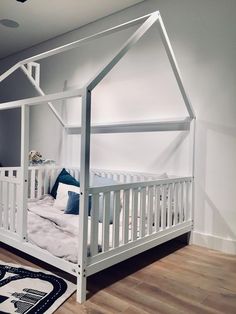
(193, 131)
(22, 210)
(84, 185)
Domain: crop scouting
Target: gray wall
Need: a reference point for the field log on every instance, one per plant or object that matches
(204, 40)
(10, 138)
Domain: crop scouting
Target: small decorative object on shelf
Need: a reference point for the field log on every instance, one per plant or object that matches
(36, 158)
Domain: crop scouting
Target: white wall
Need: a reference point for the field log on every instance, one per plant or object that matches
(204, 39)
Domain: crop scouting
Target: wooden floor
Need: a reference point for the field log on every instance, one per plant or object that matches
(171, 278)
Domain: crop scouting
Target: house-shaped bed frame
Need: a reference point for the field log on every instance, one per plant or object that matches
(155, 210)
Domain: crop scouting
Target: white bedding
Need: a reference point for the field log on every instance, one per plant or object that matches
(52, 230)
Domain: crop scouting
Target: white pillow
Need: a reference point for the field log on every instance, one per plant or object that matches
(62, 195)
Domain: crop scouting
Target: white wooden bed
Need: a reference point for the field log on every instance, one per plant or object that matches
(147, 210)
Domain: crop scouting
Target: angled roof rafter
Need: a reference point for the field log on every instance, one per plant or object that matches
(148, 21)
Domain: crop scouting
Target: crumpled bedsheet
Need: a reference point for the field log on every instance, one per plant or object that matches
(52, 230)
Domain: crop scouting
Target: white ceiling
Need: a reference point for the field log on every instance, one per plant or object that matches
(40, 20)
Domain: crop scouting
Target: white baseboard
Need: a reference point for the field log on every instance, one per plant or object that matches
(214, 242)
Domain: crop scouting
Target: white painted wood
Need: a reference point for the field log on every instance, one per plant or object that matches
(126, 186)
(40, 181)
(134, 214)
(5, 204)
(10, 71)
(116, 219)
(163, 207)
(122, 52)
(84, 196)
(109, 258)
(32, 184)
(106, 221)
(176, 203)
(94, 225)
(157, 208)
(41, 99)
(150, 210)
(181, 203)
(125, 227)
(12, 205)
(181, 124)
(13, 240)
(174, 65)
(35, 83)
(143, 212)
(170, 202)
(22, 206)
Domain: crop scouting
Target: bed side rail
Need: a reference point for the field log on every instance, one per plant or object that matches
(139, 210)
(9, 198)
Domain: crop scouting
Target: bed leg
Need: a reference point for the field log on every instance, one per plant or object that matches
(81, 287)
(190, 237)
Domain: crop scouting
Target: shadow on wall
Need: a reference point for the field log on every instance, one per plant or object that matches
(165, 156)
(215, 171)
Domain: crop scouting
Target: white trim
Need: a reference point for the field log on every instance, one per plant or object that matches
(14, 241)
(139, 247)
(214, 242)
(174, 66)
(41, 99)
(181, 124)
(124, 49)
(35, 84)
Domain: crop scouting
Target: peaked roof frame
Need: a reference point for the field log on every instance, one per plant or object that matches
(147, 22)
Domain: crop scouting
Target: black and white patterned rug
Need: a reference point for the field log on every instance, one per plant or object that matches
(28, 290)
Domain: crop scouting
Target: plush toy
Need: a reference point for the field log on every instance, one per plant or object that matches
(35, 157)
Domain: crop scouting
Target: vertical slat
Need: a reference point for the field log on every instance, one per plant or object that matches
(142, 212)
(134, 213)
(94, 225)
(45, 182)
(176, 204)
(40, 180)
(170, 211)
(106, 220)
(163, 208)
(32, 184)
(12, 206)
(187, 206)
(126, 216)
(181, 202)
(150, 210)
(116, 219)
(5, 204)
(157, 208)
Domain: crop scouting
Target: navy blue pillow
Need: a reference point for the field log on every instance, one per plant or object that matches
(72, 206)
(66, 178)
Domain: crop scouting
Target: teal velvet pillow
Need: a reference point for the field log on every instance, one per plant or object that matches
(72, 206)
(66, 178)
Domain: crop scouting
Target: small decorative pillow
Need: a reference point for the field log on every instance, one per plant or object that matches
(62, 195)
(66, 178)
(72, 206)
